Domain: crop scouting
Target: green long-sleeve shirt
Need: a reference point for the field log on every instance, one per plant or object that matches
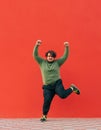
(50, 71)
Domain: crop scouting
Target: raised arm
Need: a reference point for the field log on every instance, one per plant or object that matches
(35, 52)
(62, 59)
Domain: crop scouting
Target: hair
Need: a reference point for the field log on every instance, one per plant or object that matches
(53, 54)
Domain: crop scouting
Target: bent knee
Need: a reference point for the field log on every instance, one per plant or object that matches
(62, 96)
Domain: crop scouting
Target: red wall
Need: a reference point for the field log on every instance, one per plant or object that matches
(22, 22)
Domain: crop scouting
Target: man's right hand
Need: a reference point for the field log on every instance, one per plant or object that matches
(38, 42)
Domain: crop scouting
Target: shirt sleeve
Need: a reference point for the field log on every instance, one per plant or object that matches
(36, 56)
(62, 59)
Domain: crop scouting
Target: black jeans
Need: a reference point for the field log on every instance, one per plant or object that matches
(49, 92)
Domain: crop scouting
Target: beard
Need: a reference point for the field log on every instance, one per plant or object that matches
(50, 61)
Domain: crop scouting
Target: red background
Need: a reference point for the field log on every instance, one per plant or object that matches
(22, 22)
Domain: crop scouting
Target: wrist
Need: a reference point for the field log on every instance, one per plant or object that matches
(66, 45)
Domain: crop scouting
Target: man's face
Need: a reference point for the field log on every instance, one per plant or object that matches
(50, 58)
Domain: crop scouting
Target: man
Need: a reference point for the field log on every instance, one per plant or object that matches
(52, 82)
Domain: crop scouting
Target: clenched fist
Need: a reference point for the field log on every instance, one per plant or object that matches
(66, 44)
(38, 42)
